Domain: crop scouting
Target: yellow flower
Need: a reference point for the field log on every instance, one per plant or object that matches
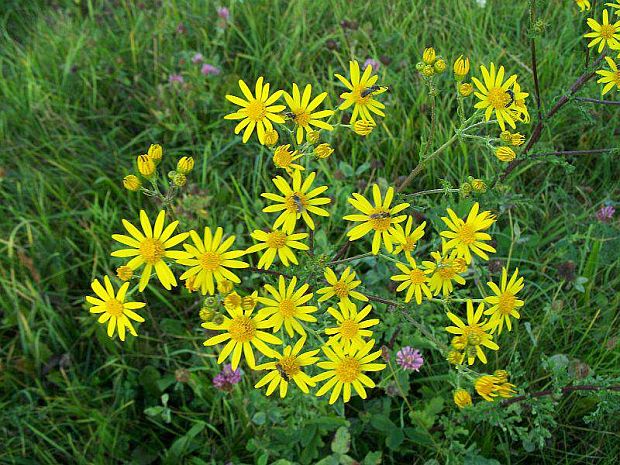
(428, 71)
(518, 109)
(504, 304)
(455, 357)
(610, 78)
(604, 34)
(271, 137)
(615, 6)
(462, 398)
(150, 248)
(146, 166)
(440, 65)
(302, 109)
(363, 89)
(466, 89)
(342, 287)
(466, 236)
(209, 260)
(445, 269)
(297, 201)
(206, 314)
(287, 307)
(505, 154)
(501, 375)
(249, 302)
(179, 179)
(286, 367)
(225, 286)
(472, 336)
(277, 243)
(124, 273)
(283, 158)
(489, 387)
(185, 165)
(351, 327)
(414, 279)
(113, 308)
(345, 369)
(323, 151)
(257, 112)
(155, 152)
(233, 301)
(313, 137)
(378, 218)
(479, 186)
(243, 333)
(131, 183)
(461, 67)
(517, 139)
(494, 95)
(584, 4)
(362, 127)
(429, 55)
(405, 240)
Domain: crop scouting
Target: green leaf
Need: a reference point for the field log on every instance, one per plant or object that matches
(259, 418)
(341, 442)
(382, 423)
(372, 458)
(395, 438)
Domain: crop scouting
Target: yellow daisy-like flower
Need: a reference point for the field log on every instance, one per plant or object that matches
(277, 243)
(257, 112)
(489, 387)
(405, 240)
(287, 307)
(378, 218)
(466, 236)
(302, 111)
(495, 95)
(583, 4)
(415, 279)
(297, 201)
(610, 78)
(504, 304)
(283, 158)
(604, 34)
(209, 260)
(345, 369)
(150, 248)
(473, 336)
(113, 308)
(342, 287)
(362, 90)
(243, 333)
(286, 367)
(351, 329)
(445, 269)
(518, 109)
(462, 398)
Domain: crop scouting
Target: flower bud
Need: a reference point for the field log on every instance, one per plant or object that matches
(429, 55)
(505, 154)
(185, 165)
(210, 302)
(461, 68)
(225, 286)
(271, 138)
(440, 65)
(462, 398)
(501, 375)
(313, 137)
(206, 314)
(363, 127)
(466, 89)
(517, 139)
(420, 66)
(146, 166)
(455, 357)
(249, 302)
(428, 71)
(323, 151)
(478, 186)
(131, 182)
(124, 273)
(179, 180)
(465, 189)
(155, 152)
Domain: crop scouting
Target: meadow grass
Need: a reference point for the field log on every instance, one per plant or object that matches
(84, 89)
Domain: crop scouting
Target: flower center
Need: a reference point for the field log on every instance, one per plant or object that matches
(357, 95)
(151, 250)
(349, 329)
(296, 202)
(446, 271)
(289, 365)
(283, 157)
(473, 335)
(348, 369)
(276, 240)
(409, 244)
(616, 77)
(380, 219)
(287, 308)
(114, 307)
(607, 31)
(506, 302)
(210, 261)
(341, 289)
(498, 98)
(302, 118)
(256, 110)
(242, 329)
(466, 234)
(417, 277)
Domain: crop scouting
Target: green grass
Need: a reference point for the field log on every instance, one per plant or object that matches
(84, 89)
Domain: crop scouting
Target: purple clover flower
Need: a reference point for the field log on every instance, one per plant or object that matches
(208, 69)
(227, 378)
(223, 13)
(372, 62)
(176, 79)
(197, 58)
(605, 214)
(409, 359)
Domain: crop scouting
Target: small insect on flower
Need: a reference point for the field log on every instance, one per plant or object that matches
(345, 369)
(505, 154)
(409, 359)
(146, 166)
(283, 157)
(467, 236)
(185, 165)
(257, 112)
(323, 151)
(462, 398)
(287, 367)
(277, 243)
(351, 327)
(113, 308)
(149, 248)
(609, 78)
(302, 111)
(342, 287)
(414, 279)
(604, 34)
(495, 95)
(362, 127)
(504, 303)
(474, 335)
(380, 218)
(364, 105)
(132, 183)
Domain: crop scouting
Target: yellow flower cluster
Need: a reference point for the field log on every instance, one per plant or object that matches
(489, 387)
(147, 165)
(605, 34)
